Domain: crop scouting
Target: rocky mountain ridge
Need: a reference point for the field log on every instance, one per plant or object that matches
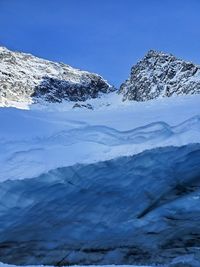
(26, 78)
(161, 75)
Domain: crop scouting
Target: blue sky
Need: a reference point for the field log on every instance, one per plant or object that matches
(103, 36)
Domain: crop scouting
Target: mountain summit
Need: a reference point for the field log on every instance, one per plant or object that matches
(161, 75)
(26, 78)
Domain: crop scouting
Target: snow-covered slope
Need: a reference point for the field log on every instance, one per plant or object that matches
(35, 141)
(27, 79)
(161, 75)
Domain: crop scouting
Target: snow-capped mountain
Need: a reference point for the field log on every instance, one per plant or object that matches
(26, 78)
(161, 75)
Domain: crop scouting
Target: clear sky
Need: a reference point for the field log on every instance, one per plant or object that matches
(103, 36)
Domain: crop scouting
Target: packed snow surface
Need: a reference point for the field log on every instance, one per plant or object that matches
(36, 140)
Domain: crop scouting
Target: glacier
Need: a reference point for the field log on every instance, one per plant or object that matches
(137, 209)
(118, 184)
(37, 140)
(9, 265)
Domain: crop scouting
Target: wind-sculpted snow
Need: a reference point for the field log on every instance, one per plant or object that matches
(112, 137)
(87, 144)
(131, 210)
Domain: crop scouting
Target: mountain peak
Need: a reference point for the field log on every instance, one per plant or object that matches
(26, 78)
(160, 74)
(156, 53)
(2, 48)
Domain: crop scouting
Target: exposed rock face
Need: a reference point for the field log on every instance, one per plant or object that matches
(139, 209)
(161, 75)
(24, 77)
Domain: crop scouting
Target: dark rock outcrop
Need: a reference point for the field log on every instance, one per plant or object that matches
(161, 75)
